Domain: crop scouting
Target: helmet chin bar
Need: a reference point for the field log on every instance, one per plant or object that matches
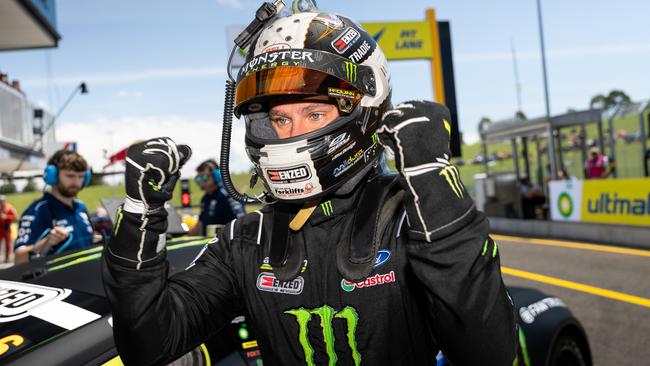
(307, 167)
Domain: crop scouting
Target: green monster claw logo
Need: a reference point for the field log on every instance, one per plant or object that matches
(565, 204)
(327, 314)
(327, 208)
(452, 177)
(447, 126)
(375, 138)
(351, 71)
(119, 219)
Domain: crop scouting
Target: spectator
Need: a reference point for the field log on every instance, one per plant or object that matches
(217, 208)
(532, 198)
(597, 165)
(57, 221)
(4, 78)
(8, 216)
(16, 85)
(563, 174)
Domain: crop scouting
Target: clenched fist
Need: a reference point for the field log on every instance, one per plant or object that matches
(152, 169)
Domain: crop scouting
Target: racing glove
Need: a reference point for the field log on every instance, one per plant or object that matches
(152, 170)
(418, 134)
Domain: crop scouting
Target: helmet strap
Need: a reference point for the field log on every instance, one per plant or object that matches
(301, 217)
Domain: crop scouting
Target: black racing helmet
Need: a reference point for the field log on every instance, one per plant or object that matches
(322, 57)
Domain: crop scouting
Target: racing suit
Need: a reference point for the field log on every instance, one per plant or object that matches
(431, 282)
(421, 296)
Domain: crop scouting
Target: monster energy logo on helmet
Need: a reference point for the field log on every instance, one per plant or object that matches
(327, 314)
(350, 71)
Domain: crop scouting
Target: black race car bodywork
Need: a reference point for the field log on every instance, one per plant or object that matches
(53, 311)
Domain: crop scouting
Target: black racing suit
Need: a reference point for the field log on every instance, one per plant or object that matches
(421, 297)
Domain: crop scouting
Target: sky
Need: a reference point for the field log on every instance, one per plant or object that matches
(157, 68)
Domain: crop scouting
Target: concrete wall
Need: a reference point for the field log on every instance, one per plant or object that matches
(627, 236)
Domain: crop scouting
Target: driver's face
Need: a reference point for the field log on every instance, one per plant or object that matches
(70, 182)
(298, 118)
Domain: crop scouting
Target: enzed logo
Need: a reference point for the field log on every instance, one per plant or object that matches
(376, 280)
(327, 315)
(350, 71)
(18, 299)
(565, 204)
(345, 40)
(290, 175)
(266, 281)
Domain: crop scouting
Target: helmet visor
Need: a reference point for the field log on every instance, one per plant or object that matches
(289, 80)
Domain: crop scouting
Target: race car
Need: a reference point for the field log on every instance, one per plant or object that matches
(53, 311)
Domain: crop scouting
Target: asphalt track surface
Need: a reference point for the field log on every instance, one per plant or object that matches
(607, 288)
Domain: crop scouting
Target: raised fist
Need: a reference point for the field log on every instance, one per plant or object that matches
(152, 169)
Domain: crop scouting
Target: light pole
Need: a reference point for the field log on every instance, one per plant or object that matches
(81, 88)
(549, 128)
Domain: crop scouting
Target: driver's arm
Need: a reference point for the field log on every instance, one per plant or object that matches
(156, 319)
(448, 247)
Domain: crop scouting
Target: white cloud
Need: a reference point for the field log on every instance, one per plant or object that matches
(203, 136)
(125, 77)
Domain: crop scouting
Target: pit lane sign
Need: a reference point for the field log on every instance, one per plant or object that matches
(402, 40)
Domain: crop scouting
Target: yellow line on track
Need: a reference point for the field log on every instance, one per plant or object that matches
(636, 300)
(574, 245)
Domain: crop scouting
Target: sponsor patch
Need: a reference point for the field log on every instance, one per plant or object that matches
(382, 257)
(347, 148)
(358, 55)
(17, 299)
(376, 280)
(348, 163)
(341, 93)
(343, 42)
(289, 175)
(273, 59)
(530, 312)
(289, 191)
(266, 281)
(338, 141)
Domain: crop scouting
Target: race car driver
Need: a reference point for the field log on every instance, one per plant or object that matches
(350, 266)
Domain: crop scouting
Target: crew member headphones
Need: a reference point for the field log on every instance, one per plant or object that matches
(216, 172)
(51, 172)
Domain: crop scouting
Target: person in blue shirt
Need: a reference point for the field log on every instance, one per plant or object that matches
(57, 221)
(217, 208)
